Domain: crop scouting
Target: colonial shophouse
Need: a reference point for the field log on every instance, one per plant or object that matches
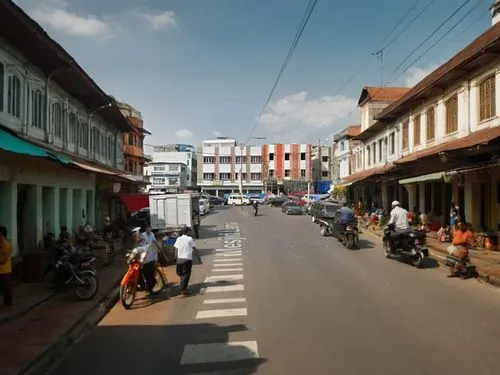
(440, 141)
(342, 153)
(61, 136)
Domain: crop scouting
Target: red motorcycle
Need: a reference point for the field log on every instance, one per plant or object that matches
(134, 280)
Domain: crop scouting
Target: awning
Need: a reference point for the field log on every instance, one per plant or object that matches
(427, 177)
(135, 202)
(92, 168)
(12, 143)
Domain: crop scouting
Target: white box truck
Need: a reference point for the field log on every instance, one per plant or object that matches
(170, 212)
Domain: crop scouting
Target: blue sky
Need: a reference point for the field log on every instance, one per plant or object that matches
(201, 68)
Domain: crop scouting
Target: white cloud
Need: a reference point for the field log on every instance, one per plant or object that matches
(161, 20)
(295, 118)
(183, 134)
(55, 16)
(415, 75)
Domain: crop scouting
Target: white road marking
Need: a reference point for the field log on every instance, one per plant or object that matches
(228, 260)
(219, 352)
(223, 313)
(225, 288)
(227, 269)
(228, 250)
(228, 264)
(224, 277)
(235, 254)
(224, 300)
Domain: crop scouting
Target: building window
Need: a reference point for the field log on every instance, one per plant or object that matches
(2, 75)
(241, 159)
(37, 105)
(224, 176)
(130, 139)
(380, 149)
(271, 172)
(57, 120)
(324, 159)
(208, 176)
(302, 156)
(287, 172)
(405, 134)
(287, 156)
(271, 156)
(255, 176)
(225, 160)
(431, 124)
(173, 167)
(158, 181)
(342, 146)
(72, 129)
(103, 145)
(451, 106)
(209, 160)
(324, 174)
(243, 176)
(303, 173)
(487, 108)
(374, 152)
(369, 155)
(14, 97)
(83, 134)
(255, 159)
(392, 140)
(158, 168)
(416, 130)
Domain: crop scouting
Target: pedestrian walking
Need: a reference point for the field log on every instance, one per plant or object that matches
(5, 270)
(184, 249)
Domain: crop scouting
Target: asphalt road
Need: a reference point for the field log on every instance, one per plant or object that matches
(293, 302)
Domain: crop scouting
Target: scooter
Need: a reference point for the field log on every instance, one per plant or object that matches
(410, 245)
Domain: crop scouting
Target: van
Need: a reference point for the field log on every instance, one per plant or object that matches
(237, 199)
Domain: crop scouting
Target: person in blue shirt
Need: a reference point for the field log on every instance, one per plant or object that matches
(346, 214)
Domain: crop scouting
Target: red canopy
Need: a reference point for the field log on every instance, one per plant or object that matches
(135, 202)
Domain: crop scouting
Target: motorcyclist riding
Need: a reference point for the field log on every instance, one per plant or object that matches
(255, 207)
(399, 220)
(148, 256)
(346, 214)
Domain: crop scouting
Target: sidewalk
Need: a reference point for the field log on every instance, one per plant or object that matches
(31, 342)
(487, 262)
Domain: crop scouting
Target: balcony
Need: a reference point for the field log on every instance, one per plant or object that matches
(134, 151)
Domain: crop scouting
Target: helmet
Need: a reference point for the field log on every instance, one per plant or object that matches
(395, 203)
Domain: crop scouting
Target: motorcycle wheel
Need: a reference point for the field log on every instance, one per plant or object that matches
(323, 230)
(127, 294)
(349, 242)
(160, 283)
(417, 260)
(50, 278)
(387, 249)
(89, 289)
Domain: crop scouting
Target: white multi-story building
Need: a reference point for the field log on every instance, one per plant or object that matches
(439, 142)
(172, 168)
(220, 162)
(342, 152)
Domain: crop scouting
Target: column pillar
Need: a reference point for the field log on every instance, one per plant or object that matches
(91, 207)
(421, 203)
(69, 211)
(412, 196)
(8, 213)
(385, 204)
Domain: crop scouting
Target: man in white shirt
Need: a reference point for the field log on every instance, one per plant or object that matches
(399, 217)
(184, 248)
(148, 255)
(150, 239)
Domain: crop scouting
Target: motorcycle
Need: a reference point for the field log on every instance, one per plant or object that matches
(409, 244)
(74, 270)
(134, 281)
(347, 234)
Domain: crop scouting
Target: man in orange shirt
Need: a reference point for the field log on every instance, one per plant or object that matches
(5, 269)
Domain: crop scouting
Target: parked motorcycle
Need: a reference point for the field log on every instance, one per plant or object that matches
(409, 244)
(76, 271)
(134, 281)
(347, 234)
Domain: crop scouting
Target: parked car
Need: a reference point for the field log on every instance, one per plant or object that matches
(276, 201)
(256, 199)
(237, 200)
(292, 208)
(217, 200)
(323, 210)
(204, 206)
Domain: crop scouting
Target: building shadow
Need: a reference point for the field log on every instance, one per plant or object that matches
(153, 349)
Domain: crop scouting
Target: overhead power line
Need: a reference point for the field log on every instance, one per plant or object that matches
(305, 20)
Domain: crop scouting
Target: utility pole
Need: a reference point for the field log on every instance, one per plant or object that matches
(380, 55)
(240, 177)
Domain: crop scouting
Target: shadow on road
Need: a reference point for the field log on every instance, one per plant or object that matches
(156, 349)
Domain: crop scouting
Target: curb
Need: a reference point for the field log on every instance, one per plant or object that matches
(25, 311)
(42, 363)
(440, 257)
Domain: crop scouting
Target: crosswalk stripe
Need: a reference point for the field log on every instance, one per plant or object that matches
(228, 264)
(227, 269)
(224, 300)
(219, 352)
(224, 277)
(227, 250)
(222, 313)
(227, 260)
(238, 254)
(225, 288)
